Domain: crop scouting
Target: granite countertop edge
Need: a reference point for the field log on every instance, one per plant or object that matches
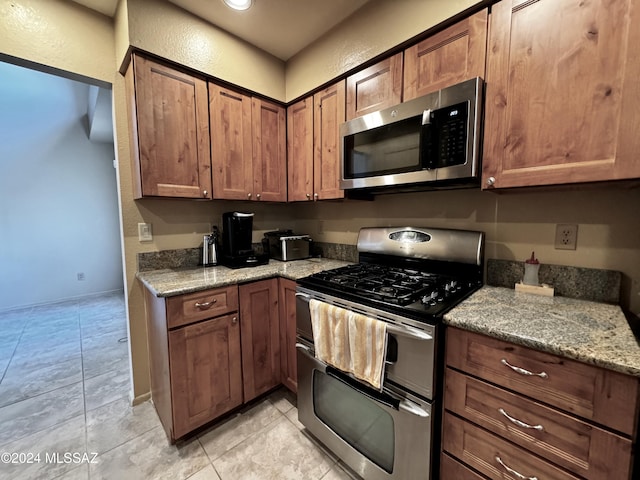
(178, 281)
(588, 332)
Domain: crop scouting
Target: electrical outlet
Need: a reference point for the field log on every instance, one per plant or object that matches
(320, 226)
(80, 276)
(566, 236)
(144, 232)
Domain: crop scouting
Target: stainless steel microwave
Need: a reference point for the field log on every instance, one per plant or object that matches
(427, 142)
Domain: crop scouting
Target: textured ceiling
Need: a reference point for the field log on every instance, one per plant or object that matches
(280, 27)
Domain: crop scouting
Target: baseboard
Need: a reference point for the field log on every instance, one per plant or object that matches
(140, 399)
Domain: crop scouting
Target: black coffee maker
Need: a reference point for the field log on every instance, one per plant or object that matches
(237, 250)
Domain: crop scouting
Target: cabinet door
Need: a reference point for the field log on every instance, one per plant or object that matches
(375, 88)
(269, 151)
(206, 375)
(172, 158)
(329, 107)
(260, 337)
(231, 148)
(451, 56)
(300, 150)
(289, 366)
(562, 93)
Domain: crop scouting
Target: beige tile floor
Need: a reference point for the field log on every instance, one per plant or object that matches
(65, 411)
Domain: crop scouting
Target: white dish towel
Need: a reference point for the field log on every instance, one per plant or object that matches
(350, 341)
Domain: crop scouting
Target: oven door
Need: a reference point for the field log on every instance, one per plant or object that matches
(380, 436)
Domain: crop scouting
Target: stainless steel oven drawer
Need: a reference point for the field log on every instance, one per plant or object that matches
(413, 363)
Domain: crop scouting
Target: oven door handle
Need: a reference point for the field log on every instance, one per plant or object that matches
(407, 331)
(407, 405)
(303, 295)
(302, 346)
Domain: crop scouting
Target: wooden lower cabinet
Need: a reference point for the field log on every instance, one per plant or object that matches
(493, 456)
(288, 362)
(451, 469)
(260, 327)
(211, 351)
(561, 420)
(206, 372)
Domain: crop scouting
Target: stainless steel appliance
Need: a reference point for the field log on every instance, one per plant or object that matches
(408, 277)
(429, 142)
(237, 249)
(209, 256)
(285, 246)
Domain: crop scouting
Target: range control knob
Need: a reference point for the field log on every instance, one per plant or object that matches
(430, 298)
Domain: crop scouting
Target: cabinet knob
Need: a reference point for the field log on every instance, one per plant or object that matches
(234, 320)
(315, 196)
(248, 195)
(205, 193)
(308, 196)
(491, 181)
(258, 196)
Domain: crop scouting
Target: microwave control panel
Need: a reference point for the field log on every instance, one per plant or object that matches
(449, 126)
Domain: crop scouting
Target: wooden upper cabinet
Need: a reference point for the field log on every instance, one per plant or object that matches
(562, 93)
(451, 56)
(375, 88)
(329, 113)
(300, 150)
(248, 149)
(231, 143)
(260, 338)
(269, 151)
(170, 141)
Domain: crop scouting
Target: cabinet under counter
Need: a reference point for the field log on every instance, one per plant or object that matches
(202, 366)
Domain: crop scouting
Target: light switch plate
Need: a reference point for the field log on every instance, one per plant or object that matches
(144, 232)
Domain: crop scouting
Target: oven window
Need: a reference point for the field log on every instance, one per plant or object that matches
(384, 150)
(357, 419)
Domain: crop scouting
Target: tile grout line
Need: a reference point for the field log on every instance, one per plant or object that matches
(24, 326)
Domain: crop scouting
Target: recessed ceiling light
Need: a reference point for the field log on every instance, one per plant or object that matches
(239, 4)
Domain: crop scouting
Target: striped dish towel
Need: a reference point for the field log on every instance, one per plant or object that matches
(349, 341)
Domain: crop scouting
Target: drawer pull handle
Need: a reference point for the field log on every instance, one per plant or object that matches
(206, 304)
(513, 472)
(519, 423)
(522, 371)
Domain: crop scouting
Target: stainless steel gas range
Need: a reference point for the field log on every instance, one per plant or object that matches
(407, 277)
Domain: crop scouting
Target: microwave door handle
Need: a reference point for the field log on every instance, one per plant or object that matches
(426, 117)
(426, 141)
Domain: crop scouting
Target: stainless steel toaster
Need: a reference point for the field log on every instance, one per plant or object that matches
(284, 245)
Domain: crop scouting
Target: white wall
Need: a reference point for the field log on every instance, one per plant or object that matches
(58, 194)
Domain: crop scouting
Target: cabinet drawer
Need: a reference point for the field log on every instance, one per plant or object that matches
(189, 308)
(606, 397)
(452, 469)
(567, 441)
(492, 456)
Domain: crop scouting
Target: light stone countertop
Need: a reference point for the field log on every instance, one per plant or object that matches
(170, 282)
(594, 333)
